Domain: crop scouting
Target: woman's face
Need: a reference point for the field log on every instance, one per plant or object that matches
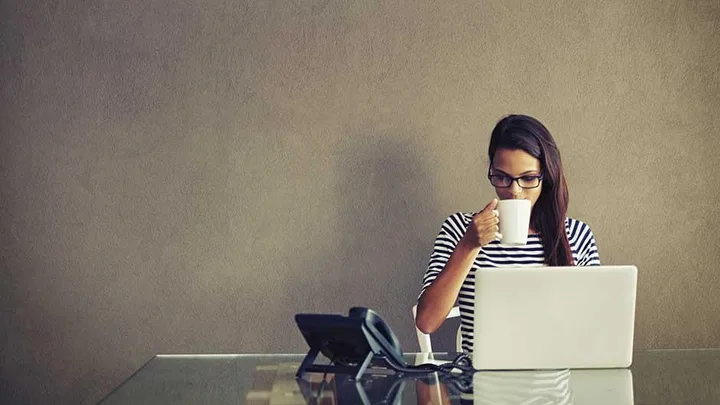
(516, 163)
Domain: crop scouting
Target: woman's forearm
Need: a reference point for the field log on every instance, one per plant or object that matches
(439, 298)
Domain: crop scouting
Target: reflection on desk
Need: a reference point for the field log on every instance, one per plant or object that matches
(662, 377)
(522, 387)
(277, 385)
(556, 387)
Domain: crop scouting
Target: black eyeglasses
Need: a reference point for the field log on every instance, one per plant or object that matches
(503, 181)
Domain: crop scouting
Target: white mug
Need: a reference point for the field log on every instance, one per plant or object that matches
(514, 218)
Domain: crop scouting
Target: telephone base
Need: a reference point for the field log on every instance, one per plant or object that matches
(308, 366)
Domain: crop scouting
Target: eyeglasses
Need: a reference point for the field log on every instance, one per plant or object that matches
(503, 181)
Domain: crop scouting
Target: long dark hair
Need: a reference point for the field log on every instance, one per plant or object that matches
(549, 213)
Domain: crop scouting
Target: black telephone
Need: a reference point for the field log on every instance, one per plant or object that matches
(350, 342)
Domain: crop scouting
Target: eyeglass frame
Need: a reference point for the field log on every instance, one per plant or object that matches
(540, 178)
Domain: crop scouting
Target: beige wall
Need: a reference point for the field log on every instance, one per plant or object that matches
(184, 177)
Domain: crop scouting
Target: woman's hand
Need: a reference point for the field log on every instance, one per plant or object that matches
(484, 226)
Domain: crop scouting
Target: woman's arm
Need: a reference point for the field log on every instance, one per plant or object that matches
(439, 297)
(587, 248)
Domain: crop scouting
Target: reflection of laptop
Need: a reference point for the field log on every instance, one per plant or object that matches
(556, 387)
(554, 317)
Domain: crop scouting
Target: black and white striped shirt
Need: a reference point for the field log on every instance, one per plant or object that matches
(495, 254)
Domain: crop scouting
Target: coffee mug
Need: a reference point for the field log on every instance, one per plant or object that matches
(514, 218)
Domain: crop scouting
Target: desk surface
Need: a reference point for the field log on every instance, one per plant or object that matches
(656, 377)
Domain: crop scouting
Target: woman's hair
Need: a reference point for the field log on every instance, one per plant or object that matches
(548, 215)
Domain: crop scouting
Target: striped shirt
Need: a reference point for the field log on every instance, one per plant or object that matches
(495, 254)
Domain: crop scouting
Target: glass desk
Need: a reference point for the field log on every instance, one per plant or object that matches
(656, 377)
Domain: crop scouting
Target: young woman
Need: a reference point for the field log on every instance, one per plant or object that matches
(524, 163)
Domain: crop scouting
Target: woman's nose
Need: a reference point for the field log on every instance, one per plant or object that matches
(515, 190)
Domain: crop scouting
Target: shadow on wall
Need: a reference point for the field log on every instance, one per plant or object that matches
(377, 254)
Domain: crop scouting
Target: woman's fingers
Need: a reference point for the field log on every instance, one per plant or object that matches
(485, 224)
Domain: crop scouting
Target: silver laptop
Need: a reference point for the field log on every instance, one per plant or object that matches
(554, 317)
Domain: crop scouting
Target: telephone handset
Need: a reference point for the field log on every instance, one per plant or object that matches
(385, 341)
(351, 343)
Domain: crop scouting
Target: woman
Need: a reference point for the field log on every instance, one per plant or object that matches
(524, 163)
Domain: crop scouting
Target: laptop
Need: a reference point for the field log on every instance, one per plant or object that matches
(530, 318)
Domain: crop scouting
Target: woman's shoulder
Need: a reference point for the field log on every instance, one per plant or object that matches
(461, 217)
(456, 223)
(575, 226)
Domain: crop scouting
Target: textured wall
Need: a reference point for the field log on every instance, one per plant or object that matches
(185, 176)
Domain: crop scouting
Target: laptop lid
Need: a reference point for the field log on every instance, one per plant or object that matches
(554, 317)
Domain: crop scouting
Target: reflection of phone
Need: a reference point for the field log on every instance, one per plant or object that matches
(349, 342)
(344, 389)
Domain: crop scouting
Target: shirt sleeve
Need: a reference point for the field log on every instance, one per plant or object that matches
(587, 248)
(452, 230)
